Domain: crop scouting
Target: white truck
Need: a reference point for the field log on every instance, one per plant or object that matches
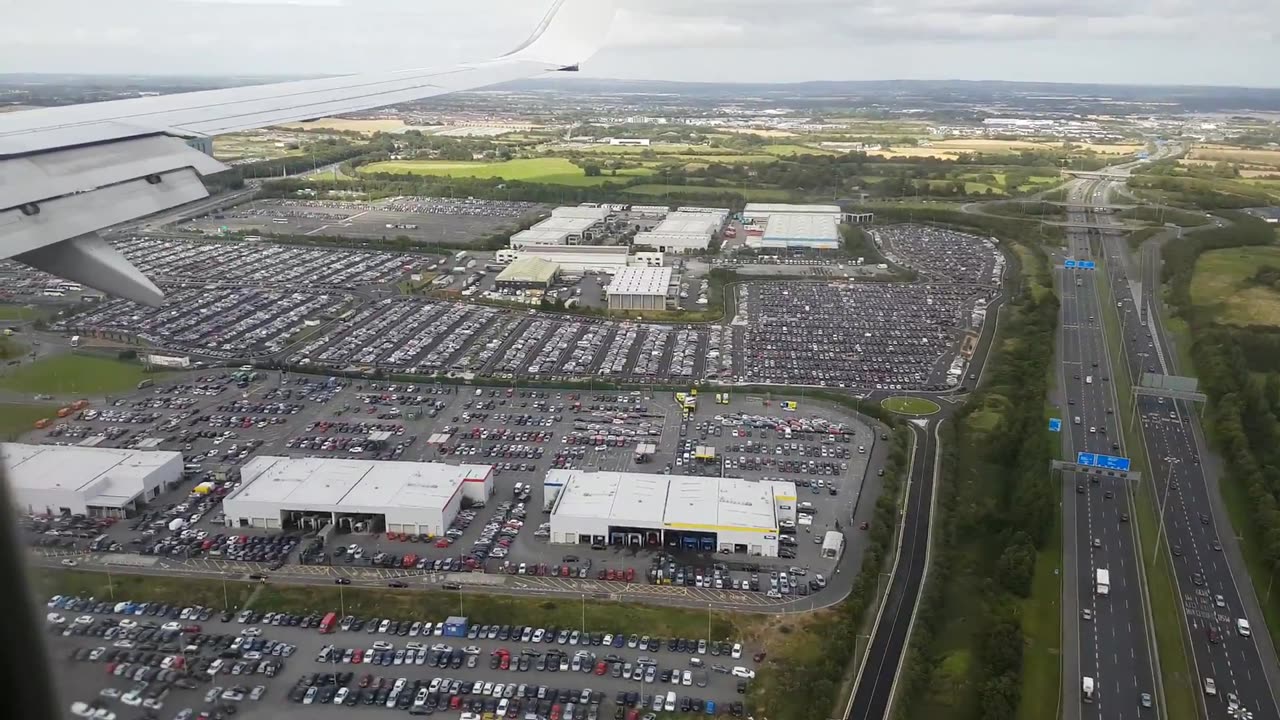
(1086, 689)
(1103, 581)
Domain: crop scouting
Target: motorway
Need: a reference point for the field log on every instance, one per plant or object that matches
(877, 678)
(1106, 637)
(1207, 564)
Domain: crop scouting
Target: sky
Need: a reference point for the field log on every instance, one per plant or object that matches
(1193, 42)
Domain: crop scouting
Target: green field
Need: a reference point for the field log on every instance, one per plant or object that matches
(19, 313)
(553, 171)
(74, 375)
(752, 194)
(17, 418)
(904, 405)
(1042, 628)
(1221, 284)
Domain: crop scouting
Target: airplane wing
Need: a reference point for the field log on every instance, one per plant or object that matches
(68, 172)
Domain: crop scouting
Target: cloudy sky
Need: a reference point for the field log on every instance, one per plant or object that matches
(1222, 42)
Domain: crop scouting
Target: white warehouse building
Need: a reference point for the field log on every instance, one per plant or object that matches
(97, 482)
(640, 288)
(760, 213)
(682, 232)
(798, 231)
(409, 497)
(573, 259)
(707, 514)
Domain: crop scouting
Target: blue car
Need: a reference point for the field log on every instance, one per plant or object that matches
(711, 707)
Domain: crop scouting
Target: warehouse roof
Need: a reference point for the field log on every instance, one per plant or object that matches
(641, 281)
(608, 251)
(785, 208)
(594, 214)
(802, 227)
(350, 485)
(674, 501)
(688, 223)
(108, 477)
(539, 237)
(529, 270)
(719, 504)
(626, 498)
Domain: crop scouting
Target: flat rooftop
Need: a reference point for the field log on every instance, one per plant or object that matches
(108, 477)
(686, 223)
(594, 214)
(341, 485)
(784, 208)
(641, 281)
(707, 504)
(802, 227)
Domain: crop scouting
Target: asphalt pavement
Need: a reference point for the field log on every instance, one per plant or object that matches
(1106, 636)
(1214, 588)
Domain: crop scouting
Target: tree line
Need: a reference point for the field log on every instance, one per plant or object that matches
(995, 512)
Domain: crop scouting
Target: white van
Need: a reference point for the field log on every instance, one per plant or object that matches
(1242, 627)
(670, 705)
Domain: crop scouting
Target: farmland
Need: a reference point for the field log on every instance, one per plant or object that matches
(1224, 284)
(550, 170)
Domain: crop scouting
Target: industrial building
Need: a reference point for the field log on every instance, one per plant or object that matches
(707, 514)
(97, 482)
(357, 495)
(530, 273)
(760, 213)
(798, 231)
(566, 226)
(573, 258)
(682, 232)
(640, 288)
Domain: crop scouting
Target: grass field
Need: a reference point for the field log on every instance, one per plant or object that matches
(17, 418)
(19, 313)
(1042, 629)
(904, 405)
(1221, 283)
(74, 375)
(555, 171)
(752, 194)
(367, 127)
(1108, 149)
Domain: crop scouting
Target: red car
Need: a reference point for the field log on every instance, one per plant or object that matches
(602, 667)
(455, 702)
(555, 712)
(505, 664)
(564, 571)
(630, 575)
(191, 629)
(442, 542)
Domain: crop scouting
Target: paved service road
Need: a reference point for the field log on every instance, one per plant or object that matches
(1105, 634)
(1193, 515)
(878, 675)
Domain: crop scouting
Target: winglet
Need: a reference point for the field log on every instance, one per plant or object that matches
(569, 34)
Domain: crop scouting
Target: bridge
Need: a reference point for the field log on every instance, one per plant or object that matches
(1092, 175)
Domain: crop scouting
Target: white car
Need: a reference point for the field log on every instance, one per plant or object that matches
(742, 672)
(1210, 687)
(171, 626)
(84, 620)
(341, 696)
(132, 698)
(251, 632)
(68, 562)
(1242, 627)
(737, 651)
(80, 709)
(55, 619)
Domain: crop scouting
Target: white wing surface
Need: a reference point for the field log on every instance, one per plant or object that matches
(68, 172)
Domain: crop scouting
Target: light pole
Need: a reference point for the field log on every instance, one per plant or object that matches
(226, 603)
(342, 602)
(1168, 481)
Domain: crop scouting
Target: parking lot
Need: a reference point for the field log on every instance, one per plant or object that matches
(429, 220)
(177, 662)
(942, 255)
(219, 420)
(886, 336)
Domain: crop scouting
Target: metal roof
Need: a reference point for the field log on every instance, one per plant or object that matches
(529, 270)
(625, 498)
(802, 227)
(783, 208)
(641, 281)
(108, 477)
(708, 504)
(350, 485)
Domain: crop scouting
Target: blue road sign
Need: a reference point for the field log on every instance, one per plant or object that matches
(1068, 264)
(1079, 264)
(1106, 462)
(1055, 425)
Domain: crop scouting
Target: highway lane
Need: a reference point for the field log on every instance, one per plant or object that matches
(1107, 634)
(878, 675)
(1211, 597)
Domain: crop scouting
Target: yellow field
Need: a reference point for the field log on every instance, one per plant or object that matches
(367, 127)
(948, 149)
(760, 132)
(1216, 153)
(1106, 149)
